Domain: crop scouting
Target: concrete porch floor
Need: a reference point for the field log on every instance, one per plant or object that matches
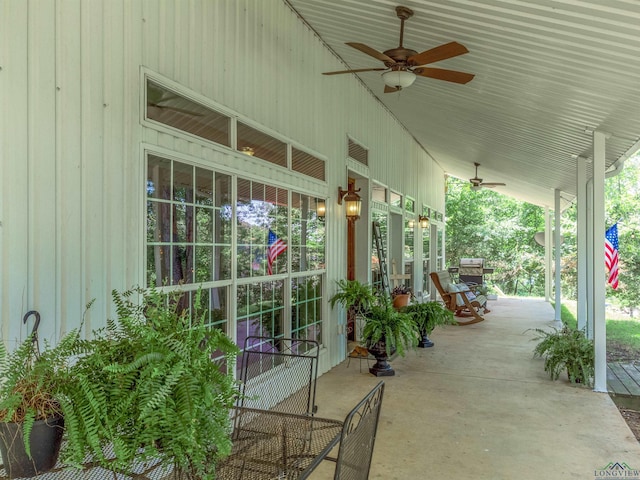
(479, 406)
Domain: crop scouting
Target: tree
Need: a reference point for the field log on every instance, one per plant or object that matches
(486, 224)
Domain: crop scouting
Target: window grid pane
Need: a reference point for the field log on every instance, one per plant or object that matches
(306, 308)
(181, 227)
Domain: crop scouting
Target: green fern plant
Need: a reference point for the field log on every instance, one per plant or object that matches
(567, 350)
(146, 385)
(428, 315)
(31, 382)
(353, 295)
(385, 323)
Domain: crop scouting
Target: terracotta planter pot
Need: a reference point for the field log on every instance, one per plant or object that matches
(45, 441)
(401, 300)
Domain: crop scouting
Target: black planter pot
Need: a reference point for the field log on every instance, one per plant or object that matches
(45, 441)
(424, 341)
(381, 367)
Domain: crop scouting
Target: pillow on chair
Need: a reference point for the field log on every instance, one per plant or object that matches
(453, 288)
(463, 287)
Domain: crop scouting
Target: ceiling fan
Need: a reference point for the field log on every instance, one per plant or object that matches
(402, 65)
(477, 183)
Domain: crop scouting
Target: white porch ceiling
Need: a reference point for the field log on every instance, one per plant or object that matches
(548, 72)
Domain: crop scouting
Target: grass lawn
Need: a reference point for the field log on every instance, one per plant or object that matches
(623, 333)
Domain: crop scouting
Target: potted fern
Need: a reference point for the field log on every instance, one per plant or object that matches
(147, 387)
(387, 331)
(353, 295)
(356, 297)
(426, 316)
(31, 411)
(567, 350)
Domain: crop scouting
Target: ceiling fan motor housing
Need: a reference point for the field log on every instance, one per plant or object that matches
(399, 54)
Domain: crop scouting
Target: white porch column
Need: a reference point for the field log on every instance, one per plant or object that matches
(581, 238)
(599, 280)
(547, 255)
(557, 243)
(589, 257)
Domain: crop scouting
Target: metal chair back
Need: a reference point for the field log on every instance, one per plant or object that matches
(358, 437)
(279, 374)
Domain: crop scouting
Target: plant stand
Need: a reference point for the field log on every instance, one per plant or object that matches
(424, 341)
(381, 367)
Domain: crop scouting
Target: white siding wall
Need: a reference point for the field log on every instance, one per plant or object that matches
(71, 176)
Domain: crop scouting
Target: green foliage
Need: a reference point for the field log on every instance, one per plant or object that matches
(625, 332)
(499, 229)
(566, 350)
(426, 316)
(385, 323)
(32, 381)
(401, 289)
(355, 295)
(146, 385)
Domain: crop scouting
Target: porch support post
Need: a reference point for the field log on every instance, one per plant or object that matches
(581, 238)
(599, 284)
(558, 255)
(547, 254)
(589, 257)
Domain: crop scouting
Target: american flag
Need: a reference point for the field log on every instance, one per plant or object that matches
(275, 247)
(611, 254)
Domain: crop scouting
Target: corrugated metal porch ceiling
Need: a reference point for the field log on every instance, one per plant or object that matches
(546, 71)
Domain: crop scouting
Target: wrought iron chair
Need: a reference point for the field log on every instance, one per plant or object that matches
(358, 438)
(279, 374)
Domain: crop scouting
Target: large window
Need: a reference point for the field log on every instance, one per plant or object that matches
(409, 251)
(376, 273)
(276, 272)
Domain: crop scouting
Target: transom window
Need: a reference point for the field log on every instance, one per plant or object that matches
(176, 110)
(358, 152)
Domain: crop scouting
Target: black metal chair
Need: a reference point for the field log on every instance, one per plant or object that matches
(358, 437)
(279, 374)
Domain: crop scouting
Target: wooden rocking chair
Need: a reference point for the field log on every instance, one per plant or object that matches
(457, 301)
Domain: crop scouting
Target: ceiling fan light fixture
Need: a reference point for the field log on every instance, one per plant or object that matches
(399, 78)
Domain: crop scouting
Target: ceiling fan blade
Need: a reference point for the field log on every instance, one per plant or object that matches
(373, 52)
(355, 71)
(388, 89)
(446, 75)
(493, 185)
(448, 50)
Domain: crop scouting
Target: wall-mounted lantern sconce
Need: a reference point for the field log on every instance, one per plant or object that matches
(248, 151)
(423, 221)
(321, 208)
(411, 223)
(352, 202)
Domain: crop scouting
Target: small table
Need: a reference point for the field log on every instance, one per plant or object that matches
(271, 445)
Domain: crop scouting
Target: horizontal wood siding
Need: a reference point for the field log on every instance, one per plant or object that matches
(72, 200)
